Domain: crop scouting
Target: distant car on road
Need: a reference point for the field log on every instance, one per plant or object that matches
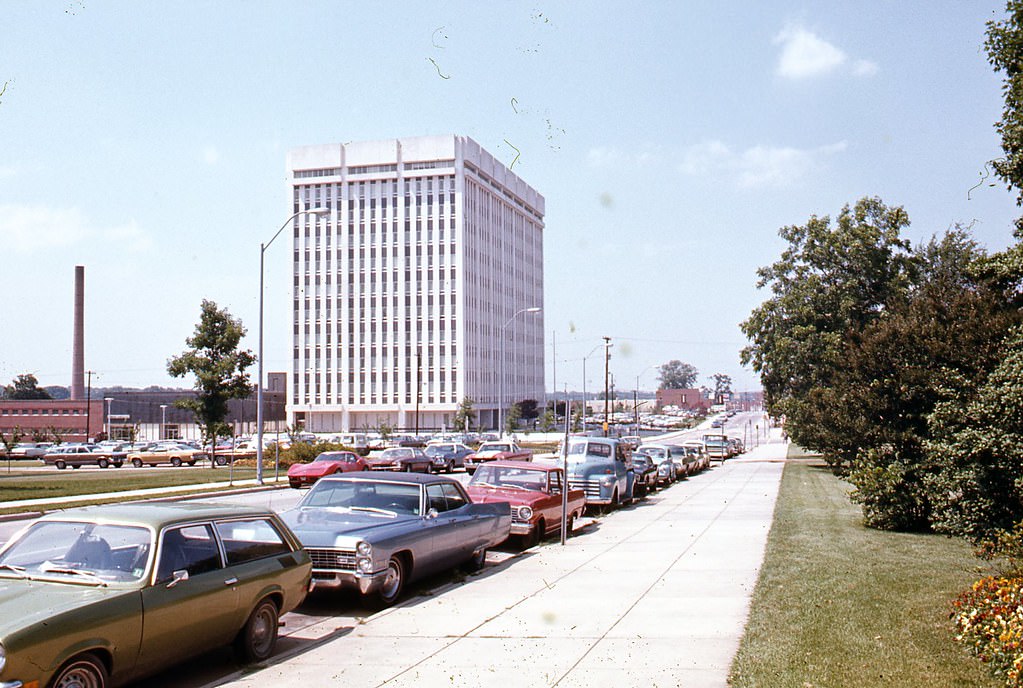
(501, 450)
(408, 459)
(447, 456)
(78, 455)
(327, 463)
(166, 453)
(103, 596)
(30, 450)
(375, 532)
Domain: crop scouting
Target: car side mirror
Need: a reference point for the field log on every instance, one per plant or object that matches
(177, 577)
(432, 513)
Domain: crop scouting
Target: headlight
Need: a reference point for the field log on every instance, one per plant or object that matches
(525, 513)
(364, 548)
(364, 564)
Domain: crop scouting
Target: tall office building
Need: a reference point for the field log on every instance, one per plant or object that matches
(409, 291)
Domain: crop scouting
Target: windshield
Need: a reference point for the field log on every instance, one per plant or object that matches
(504, 476)
(354, 495)
(68, 550)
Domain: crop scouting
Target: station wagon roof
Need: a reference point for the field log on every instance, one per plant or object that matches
(156, 514)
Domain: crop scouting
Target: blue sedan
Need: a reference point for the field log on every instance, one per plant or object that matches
(375, 532)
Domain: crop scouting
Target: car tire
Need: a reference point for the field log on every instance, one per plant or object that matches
(450, 468)
(176, 462)
(536, 536)
(390, 590)
(258, 637)
(615, 502)
(76, 466)
(191, 463)
(295, 484)
(103, 463)
(118, 464)
(477, 561)
(83, 671)
(60, 465)
(137, 463)
(221, 461)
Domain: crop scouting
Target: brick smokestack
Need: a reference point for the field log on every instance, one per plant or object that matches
(78, 346)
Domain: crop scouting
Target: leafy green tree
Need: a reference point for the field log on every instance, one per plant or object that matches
(214, 359)
(548, 421)
(465, 416)
(677, 375)
(25, 387)
(831, 281)
(722, 384)
(511, 419)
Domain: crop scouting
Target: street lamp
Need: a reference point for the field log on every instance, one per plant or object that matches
(108, 400)
(163, 421)
(504, 328)
(259, 384)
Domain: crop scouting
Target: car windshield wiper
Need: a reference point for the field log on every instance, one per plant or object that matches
(374, 510)
(93, 578)
(513, 486)
(20, 570)
(480, 483)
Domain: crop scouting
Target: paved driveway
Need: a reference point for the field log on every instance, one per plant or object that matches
(654, 595)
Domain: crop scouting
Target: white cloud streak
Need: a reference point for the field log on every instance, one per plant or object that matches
(756, 167)
(32, 229)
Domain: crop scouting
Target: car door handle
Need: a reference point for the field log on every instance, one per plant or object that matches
(231, 581)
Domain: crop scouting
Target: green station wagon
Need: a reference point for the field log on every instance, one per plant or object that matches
(101, 596)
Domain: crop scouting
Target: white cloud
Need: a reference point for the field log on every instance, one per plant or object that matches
(865, 68)
(805, 55)
(30, 229)
(759, 166)
(210, 155)
(610, 157)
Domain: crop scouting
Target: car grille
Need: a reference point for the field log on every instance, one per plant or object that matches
(590, 487)
(516, 518)
(333, 559)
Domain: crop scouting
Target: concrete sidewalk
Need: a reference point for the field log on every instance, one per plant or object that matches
(653, 595)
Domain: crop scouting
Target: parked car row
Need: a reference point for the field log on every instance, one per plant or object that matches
(90, 597)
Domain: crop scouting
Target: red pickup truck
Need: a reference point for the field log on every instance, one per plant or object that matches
(502, 450)
(534, 492)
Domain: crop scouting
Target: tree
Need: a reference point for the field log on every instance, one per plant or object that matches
(465, 416)
(677, 375)
(832, 280)
(219, 367)
(548, 422)
(722, 384)
(511, 420)
(25, 387)
(528, 409)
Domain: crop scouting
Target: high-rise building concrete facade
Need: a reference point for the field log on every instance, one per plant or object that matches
(427, 269)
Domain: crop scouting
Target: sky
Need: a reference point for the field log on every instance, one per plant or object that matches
(671, 141)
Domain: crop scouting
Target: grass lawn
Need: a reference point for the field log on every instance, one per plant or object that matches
(838, 604)
(18, 485)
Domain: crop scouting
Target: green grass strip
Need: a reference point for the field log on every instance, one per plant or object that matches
(838, 604)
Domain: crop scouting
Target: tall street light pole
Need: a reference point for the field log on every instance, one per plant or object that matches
(107, 425)
(504, 328)
(259, 384)
(607, 378)
(163, 422)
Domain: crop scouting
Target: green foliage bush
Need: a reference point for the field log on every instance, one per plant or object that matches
(889, 490)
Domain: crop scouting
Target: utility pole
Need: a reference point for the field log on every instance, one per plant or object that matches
(607, 385)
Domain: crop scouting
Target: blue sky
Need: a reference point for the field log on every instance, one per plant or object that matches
(671, 141)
